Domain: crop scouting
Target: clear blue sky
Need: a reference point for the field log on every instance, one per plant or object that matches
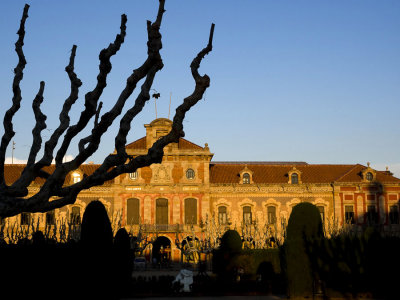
(315, 81)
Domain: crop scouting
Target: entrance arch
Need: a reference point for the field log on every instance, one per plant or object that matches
(162, 251)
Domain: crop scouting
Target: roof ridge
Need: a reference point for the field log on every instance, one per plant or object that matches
(348, 172)
(259, 162)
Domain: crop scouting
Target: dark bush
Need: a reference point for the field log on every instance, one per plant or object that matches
(226, 258)
(231, 242)
(96, 231)
(123, 262)
(305, 226)
(362, 264)
(96, 267)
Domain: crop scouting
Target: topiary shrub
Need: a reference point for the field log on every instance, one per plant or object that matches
(122, 241)
(96, 244)
(223, 257)
(123, 263)
(96, 231)
(304, 226)
(231, 242)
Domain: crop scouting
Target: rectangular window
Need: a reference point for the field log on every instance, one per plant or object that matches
(349, 214)
(132, 215)
(372, 216)
(25, 219)
(322, 213)
(190, 211)
(50, 218)
(247, 215)
(394, 214)
(75, 216)
(222, 217)
(162, 212)
(271, 214)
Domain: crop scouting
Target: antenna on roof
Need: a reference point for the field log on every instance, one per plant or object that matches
(12, 152)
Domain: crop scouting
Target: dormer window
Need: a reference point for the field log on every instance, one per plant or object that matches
(246, 178)
(190, 174)
(369, 176)
(295, 178)
(76, 177)
(134, 175)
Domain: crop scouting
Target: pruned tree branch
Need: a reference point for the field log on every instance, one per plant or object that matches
(8, 117)
(54, 193)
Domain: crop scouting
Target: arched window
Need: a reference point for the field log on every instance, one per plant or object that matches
(295, 178)
(132, 211)
(134, 175)
(26, 218)
(369, 176)
(50, 218)
(246, 178)
(372, 216)
(190, 174)
(162, 211)
(349, 214)
(76, 177)
(247, 215)
(190, 211)
(322, 213)
(271, 214)
(222, 215)
(75, 216)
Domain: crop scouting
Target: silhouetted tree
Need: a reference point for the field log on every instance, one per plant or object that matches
(15, 199)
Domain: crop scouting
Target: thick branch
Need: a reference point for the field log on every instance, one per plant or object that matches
(64, 115)
(18, 71)
(92, 97)
(113, 165)
(156, 152)
(152, 64)
(40, 125)
(32, 171)
(19, 187)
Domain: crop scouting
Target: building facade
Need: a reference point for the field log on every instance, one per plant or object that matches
(187, 190)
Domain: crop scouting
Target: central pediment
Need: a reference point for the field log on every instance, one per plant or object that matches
(157, 129)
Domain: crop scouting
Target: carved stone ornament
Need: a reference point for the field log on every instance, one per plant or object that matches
(162, 173)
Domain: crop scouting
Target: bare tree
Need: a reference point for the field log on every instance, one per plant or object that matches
(15, 198)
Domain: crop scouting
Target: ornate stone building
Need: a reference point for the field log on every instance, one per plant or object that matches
(188, 188)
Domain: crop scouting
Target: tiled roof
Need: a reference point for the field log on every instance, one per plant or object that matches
(183, 144)
(259, 163)
(354, 174)
(186, 145)
(139, 144)
(222, 173)
(13, 171)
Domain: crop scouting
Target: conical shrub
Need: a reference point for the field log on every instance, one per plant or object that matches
(305, 225)
(231, 241)
(96, 231)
